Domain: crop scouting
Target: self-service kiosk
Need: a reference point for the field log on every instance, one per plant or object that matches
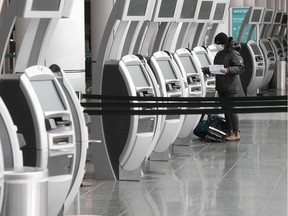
(81, 133)
(40, 110)
(269, 59)
(201, 55)
(171, 84)
(278, 48)
(254, 67)
(128, 138)
(194, 80)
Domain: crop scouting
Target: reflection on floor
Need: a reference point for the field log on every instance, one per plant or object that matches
(245, 178)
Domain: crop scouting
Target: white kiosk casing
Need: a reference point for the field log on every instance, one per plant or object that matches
(203, 59)
(254, 65)
(8, 136)
(194, 81)
(140, 138)
(270, 61)
(48, 127)
(1, 177)
(171, 84)
(81, 133)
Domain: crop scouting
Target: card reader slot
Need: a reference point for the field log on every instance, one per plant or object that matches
(63, 140)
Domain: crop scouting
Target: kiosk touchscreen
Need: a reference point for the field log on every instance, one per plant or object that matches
(254, 67)
(40, 110)
(193, 77)
(171, 84)
(81, 133)
(128, 138)
(278, 48)
(201, 55)
(270, 61)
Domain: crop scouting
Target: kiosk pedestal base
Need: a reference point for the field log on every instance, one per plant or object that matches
(134, 175)
(160, 156)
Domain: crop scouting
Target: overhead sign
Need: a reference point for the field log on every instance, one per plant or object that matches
(237, 16)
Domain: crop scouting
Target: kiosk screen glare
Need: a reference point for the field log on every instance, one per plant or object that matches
(219, 11)
(256, 16)
(137, 7)
(167, 8)
(188, 9)
(205, 10)
(46, 5)
(137, 76)
(268, 16)
(255, 49)
(48, 95)
(166, 70)
(268, 46)
(203, 59)
(188, 65)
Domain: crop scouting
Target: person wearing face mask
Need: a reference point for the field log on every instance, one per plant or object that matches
(228, 84)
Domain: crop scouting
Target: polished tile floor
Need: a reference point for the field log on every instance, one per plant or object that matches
(245, 178)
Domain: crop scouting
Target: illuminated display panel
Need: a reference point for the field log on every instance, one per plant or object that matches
(255, 49)
(188, 64)
(203, 59)
(48, 95)
(166, 69)
(137, 74)
(205, 10)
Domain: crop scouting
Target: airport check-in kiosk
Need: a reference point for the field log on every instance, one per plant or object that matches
(204, 60)
(171, 84)
(269, 59)
(128, 137)
(194, 80)
(254, 67)
(278, 48)
(40, 110)
(81, 134)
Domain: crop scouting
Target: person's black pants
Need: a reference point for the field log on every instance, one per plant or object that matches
(232, 120)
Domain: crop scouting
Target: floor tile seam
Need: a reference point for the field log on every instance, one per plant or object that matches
(91, 190)
(273, 191)
(191, 158)
(244, 153)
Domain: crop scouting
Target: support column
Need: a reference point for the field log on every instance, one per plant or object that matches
(100, 12)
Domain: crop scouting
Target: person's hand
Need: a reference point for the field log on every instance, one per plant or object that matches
(224, 71)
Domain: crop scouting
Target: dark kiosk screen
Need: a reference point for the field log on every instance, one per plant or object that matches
(268, 16)
(46, 5)
(188, 9)
(167, 8)
(203, 59)
(137, 7)
(268, 46)
(48, 95)
(219, 11)
(255, 49)
(205, 10)
(166, 69)
(137, 75)
(188, 65)
(277, 43)
(256, 16)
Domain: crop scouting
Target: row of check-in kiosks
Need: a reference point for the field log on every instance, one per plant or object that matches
(43, 125)
(130, 140)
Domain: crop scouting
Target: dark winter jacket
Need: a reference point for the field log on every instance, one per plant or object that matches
(233, 62)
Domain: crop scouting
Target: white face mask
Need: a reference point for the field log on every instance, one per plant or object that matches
(219, 47)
